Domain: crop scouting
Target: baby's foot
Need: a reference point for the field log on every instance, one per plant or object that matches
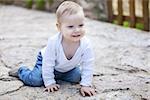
(13, 72)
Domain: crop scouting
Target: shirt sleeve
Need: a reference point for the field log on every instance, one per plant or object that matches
(87, 66)
(48, 63)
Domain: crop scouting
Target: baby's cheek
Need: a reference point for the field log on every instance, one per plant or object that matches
(83, 31)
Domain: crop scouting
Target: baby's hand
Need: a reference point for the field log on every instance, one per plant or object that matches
(87, 91)
(52, 88)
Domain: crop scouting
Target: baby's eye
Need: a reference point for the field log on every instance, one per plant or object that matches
(81, 25)
(70, 26)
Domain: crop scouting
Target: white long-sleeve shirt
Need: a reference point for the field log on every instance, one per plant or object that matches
(54, 58)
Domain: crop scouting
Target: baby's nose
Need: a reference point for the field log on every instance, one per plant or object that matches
(77, 29)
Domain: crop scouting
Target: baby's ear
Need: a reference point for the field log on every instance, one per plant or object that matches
(58, 26)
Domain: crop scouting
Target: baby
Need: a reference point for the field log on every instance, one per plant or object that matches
(68, 55)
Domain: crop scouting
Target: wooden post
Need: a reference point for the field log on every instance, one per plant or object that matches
(110, 11)
(145, 15)
(120, 12)
(132, 18)
(132, 13)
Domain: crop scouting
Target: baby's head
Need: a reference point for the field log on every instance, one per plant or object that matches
(68, 8)
(70, 20)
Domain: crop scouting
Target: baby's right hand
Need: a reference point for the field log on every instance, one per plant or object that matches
(52, 88)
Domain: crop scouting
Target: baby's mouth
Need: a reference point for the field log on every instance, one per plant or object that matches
(75, 35)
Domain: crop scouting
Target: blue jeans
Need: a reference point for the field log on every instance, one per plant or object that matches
(34, 77)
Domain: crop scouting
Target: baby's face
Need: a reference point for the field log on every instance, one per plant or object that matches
(72, 27)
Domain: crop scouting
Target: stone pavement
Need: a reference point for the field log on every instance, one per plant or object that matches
(122, 70)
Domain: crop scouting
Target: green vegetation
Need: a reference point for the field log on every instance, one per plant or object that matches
(40, 4)
(50, 2)
(29, 3)
(139, 26)
(115, 22)
(127, 24)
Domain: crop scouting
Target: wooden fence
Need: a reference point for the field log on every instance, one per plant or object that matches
(132, 18)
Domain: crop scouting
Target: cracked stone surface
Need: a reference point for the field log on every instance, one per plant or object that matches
(122, 55)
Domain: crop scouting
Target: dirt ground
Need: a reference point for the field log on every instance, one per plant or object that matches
(122, 57)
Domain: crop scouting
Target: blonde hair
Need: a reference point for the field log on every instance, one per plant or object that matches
(67, 8)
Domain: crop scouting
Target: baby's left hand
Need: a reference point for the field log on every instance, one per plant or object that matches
(87, 91)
